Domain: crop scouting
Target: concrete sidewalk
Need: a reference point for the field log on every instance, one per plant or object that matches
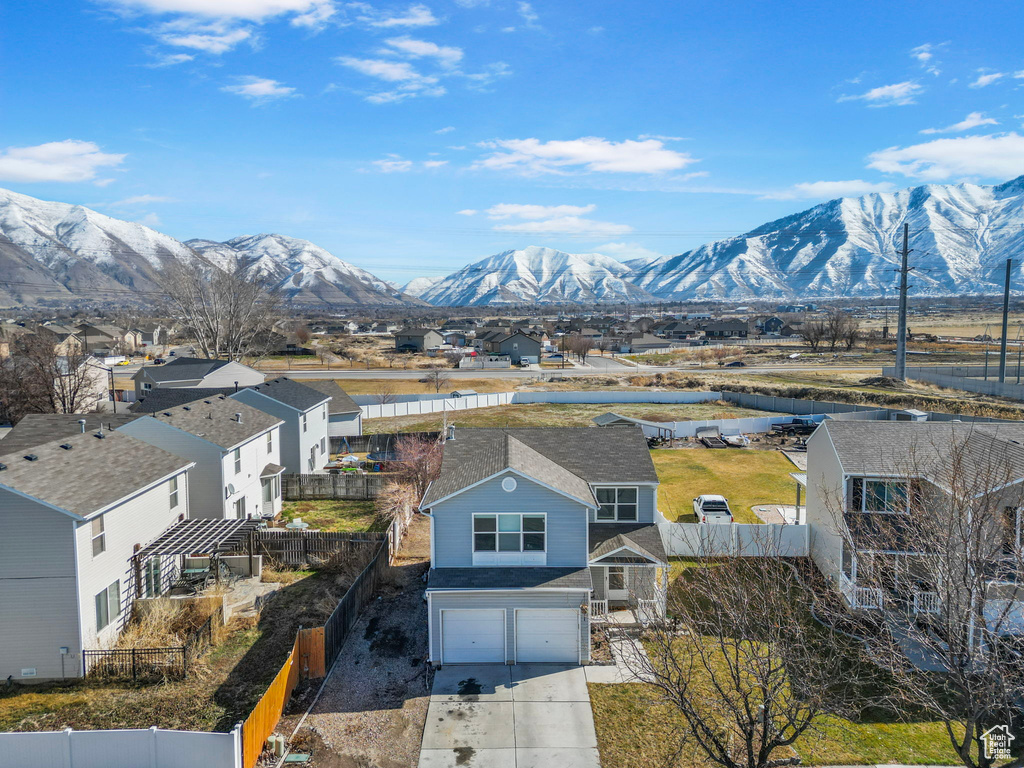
(522, 716)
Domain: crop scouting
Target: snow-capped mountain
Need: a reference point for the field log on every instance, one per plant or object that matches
(961, 235)
(58, 251)
(537, 275)
(304, 272)
(420, 285)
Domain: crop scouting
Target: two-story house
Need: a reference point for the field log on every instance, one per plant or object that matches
(869, 481)
(417, 339)
(304, 411)
(236, 449)
(345, 417)
(194, 372)
(535, 532)
(72, 512)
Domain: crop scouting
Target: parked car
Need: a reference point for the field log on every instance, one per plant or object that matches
(736, 364)
(713, 509)
(159, 361)
(801, 425)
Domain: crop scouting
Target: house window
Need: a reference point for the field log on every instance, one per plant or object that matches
(151, 574)
(99, 536)
(268, 490)
(146, 386)
(512, 532)
(174, 492)
(270, 442)
(237, 454)
(325, 413)
(108, 605)
(847, 561)
(616, 578)
(1012, 524)
(323, 445)
(304, 422)
(240, 508)
(868, 495)
(617, 504)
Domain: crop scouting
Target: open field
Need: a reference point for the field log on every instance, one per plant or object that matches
(556, 415)
(335, 515)
(961, 324)
(745, 477)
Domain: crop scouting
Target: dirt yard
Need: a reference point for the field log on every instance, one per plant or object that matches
(374, 704)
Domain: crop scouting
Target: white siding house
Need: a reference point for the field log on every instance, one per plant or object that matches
(194, 372)
(70, 520)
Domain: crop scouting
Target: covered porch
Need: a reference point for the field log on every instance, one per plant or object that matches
(891, 581)
(630, 571)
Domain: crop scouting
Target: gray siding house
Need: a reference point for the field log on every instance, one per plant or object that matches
(72, 513)
(534, 533)
(417, 339)
(195, 372)
(305, 445)
(345, 417)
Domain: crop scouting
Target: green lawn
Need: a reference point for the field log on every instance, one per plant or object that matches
(745, 477)
(558, 415)
(331, 515)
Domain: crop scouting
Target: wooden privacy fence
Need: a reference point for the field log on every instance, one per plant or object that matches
(345, 485)
(314, 652)
(300, 547)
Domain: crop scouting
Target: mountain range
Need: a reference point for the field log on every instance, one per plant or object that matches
(961, 236)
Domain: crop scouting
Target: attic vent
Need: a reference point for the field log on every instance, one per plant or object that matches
(99, 435)
(66, 446)
(31, 457)
(3, 467)
(238, 417)
(167, 413)
(186, 407)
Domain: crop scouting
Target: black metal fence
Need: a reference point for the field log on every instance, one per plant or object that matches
(337, 627)
(297, 548)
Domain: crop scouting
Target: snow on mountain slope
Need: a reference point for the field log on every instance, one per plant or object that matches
(536, 275)
(961, 235)
(303, 271)
(419, 285)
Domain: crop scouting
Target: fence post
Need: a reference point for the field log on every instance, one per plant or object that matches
(67, 751)
(134, 667)
(153, 746)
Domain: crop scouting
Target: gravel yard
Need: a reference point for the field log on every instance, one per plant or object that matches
(372, 710)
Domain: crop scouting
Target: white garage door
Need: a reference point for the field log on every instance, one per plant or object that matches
(473, 636)
(548, 635)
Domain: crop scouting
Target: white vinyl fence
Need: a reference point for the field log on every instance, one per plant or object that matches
(742, 540)
(143, 748)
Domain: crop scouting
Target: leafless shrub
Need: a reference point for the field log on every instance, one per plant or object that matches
(419, 462)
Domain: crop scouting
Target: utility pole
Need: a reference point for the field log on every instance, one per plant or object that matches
(1006, 318)
(901, 332)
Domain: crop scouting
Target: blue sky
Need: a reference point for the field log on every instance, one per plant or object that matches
(413, 138)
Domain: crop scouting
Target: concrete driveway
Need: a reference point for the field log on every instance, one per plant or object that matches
(522, 716)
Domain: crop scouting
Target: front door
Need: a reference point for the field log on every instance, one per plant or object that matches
(616, 585)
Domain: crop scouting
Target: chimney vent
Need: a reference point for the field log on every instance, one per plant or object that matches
(81, 423)
(238, 417)
(451, 432)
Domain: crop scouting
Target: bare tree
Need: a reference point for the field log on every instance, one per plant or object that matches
(227, 313)
(419, 461)
(385, 392)
(938, 554)
(742, 662)
(37, 378)
(814, 333)
(303, 334)
(439, 378)
(579, 345)
(454, 357)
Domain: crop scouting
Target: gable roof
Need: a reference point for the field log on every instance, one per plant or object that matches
(565, 458)
(38, 428)
(292, 393)
(92, 474)
(416, 332)
(643, 538)
(340, 401)
(213, 419)
(184, 369)
(169, 397)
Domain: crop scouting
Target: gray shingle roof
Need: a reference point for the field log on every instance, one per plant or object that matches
(510, 578)
(168, 397)
(643, 538)
(416, 331)
(605, 455)
(38, 428)
(340, 401)
(926, 448)
(284, 390)
(92, 474)
(183, 369)
(213, 419)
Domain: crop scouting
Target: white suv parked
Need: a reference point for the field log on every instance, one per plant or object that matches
(710, 508)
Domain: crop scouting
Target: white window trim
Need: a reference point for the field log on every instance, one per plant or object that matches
(174, 487)
(533, 557)
(864, 496)
(616, 519)
(270, 441)
(236, 457)
(101, 536)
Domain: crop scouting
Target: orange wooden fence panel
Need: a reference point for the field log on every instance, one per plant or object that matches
(311, 653)
(267, 713)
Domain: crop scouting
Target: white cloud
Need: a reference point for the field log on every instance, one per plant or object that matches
(829, 190)
(986, 78)
(468, 212)
(415, 49)
(434, 163)
(925, 55)
(529, 16)
(393, 165)
(251, 10)
(172, 59)
(515, 210)
(973, 120)
(472, 3)
(627, 251)
(998, 156)
(259, 89)
(215, 38)
(65, 161)
(897, 94)
(590, 153)
(150, 220)
(661, 137)
(140, 200)
(383, 69)
(415, 16)
(446, 129)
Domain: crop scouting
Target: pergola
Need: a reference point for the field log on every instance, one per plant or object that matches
(198, 538)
